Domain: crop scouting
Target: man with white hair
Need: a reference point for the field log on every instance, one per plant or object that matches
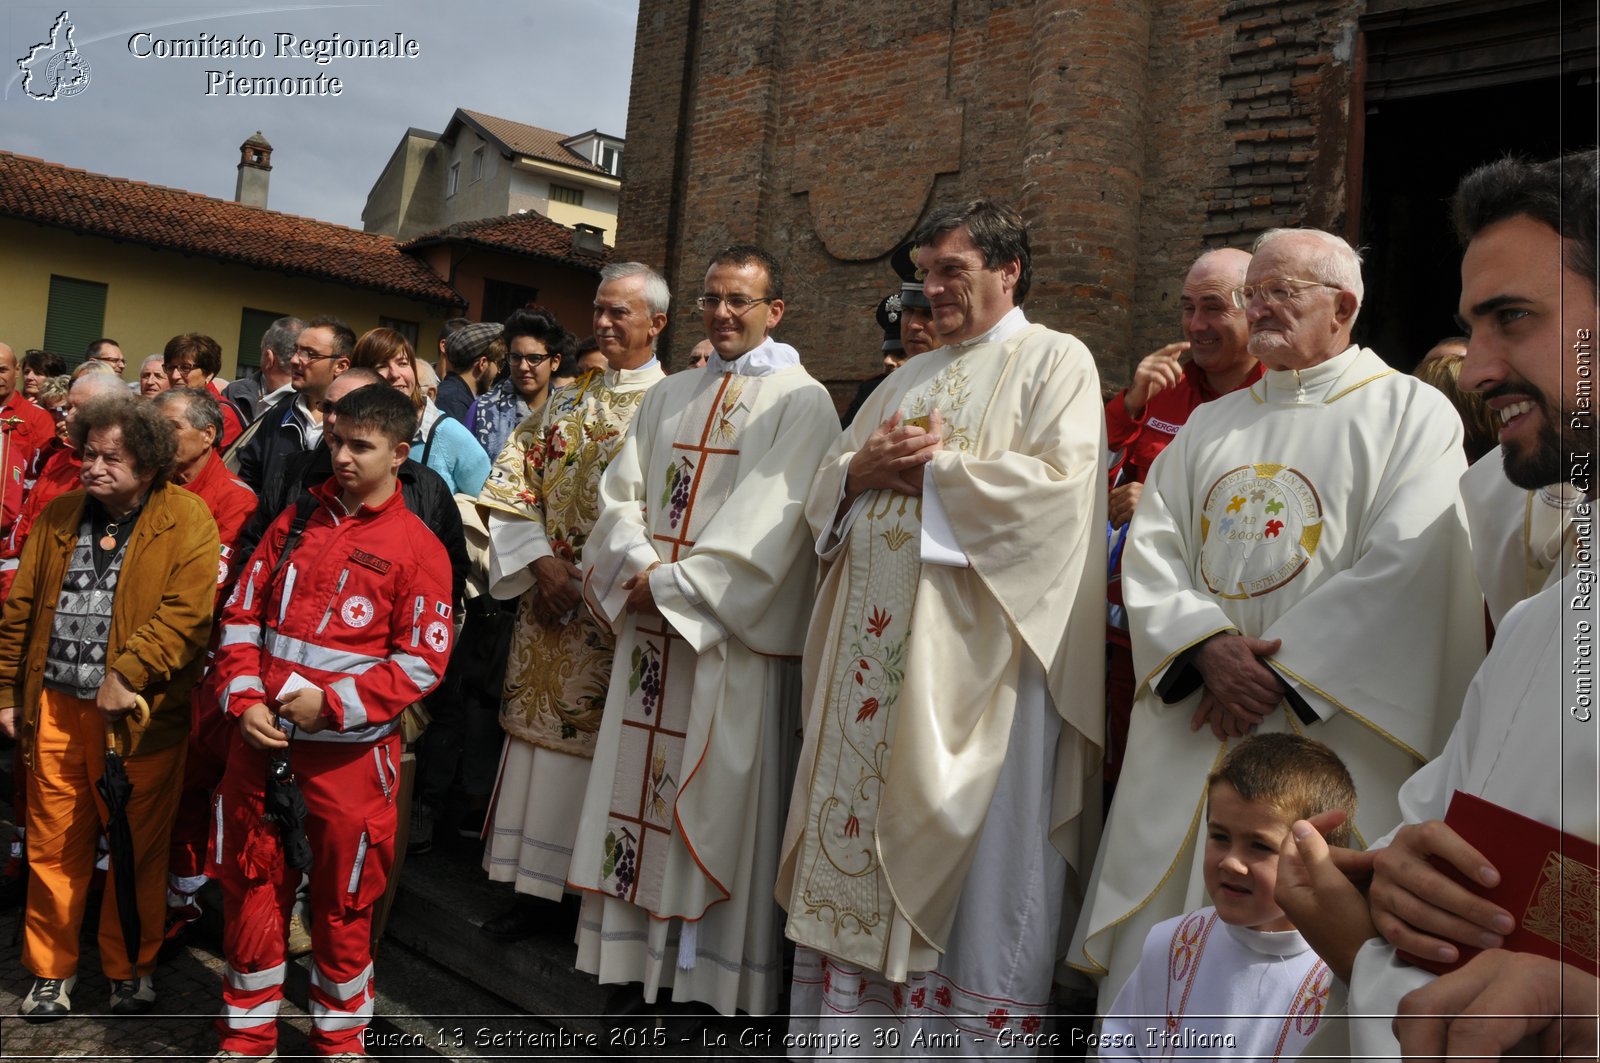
(540, 503)
(1298, 564)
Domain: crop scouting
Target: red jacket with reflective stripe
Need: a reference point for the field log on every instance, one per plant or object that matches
(361, 609)
(231, 503)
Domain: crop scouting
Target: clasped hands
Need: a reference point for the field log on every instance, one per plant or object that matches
(1240, 690)
(892, 457)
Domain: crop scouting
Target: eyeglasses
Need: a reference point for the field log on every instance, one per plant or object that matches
(183, 370)
(737, 304)
(533, 359)
(310, 354)
(1275, 290)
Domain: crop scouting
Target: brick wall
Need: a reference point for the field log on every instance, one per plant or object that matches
(1133, 134)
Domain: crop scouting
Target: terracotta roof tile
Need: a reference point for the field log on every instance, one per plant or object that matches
(527, 233)
(174, 220)
(533, 141)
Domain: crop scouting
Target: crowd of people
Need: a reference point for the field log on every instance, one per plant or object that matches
(1007, 695)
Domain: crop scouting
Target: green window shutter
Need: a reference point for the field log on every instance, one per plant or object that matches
(253, 324)
(76, 317)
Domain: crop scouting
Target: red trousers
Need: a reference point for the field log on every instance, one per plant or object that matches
(350, 801)
(65, 817)
(194, 828)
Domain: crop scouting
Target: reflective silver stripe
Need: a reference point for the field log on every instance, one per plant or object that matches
(250, 585)
(250, 981)
(326, 1018)
(11, 565)
(241, 635)
(295, 651)
(216, 806)
(355, 868)
(244, 682)
(383, 781)
(340, 990)
(416, 669)
(250, 1018)
(356, 737)
(355, 713)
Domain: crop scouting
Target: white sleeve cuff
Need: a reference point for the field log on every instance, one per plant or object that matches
(939, 546)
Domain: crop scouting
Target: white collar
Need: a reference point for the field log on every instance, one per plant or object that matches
(615, 376)
(1268, 942)
(1008, 326)
(763, 360)
(1311, 384)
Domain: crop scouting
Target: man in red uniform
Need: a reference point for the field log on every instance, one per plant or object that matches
(340, 620)
(1141, 421)
(24, 429)
(196, 420)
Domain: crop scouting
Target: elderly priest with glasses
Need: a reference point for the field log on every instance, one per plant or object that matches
(1298, 564)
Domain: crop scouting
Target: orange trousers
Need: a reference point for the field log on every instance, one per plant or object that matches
(65, 816)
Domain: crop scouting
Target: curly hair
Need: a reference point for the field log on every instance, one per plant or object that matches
(152, 447)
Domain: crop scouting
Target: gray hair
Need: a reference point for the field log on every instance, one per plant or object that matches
(199, 408)
(281, 337)
(159, 359)
(656, 293)
(92, 367)
(1337, 263)
(90, 382)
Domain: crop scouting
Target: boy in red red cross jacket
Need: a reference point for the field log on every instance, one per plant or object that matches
(339, 621)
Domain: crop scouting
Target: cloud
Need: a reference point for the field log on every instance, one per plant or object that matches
(551, 63)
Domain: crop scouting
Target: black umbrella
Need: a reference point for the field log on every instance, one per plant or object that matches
(116, 791)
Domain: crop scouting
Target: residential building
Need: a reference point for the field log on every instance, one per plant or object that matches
(482, 166)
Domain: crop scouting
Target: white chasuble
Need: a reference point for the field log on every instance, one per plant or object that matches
(915, 671)
(678, 837)
(1521, 540)
(1528, 740)
(1207, 990)
(1317, 507)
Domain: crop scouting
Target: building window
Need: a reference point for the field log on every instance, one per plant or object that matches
(500, 298)
(611, 159)
(75, 317)
(409, 329)
(253, 324)
(452, 180)
(564, 194)
(477, 163)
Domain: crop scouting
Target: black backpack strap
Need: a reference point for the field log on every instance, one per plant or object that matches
(304, 506)
(427, 445)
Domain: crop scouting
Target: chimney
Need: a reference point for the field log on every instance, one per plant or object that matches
(255, 168)
(588, 239)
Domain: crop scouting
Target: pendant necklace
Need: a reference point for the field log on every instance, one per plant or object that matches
(108, 541)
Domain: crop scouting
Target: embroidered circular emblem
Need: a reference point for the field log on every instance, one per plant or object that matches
(357, 611)
(438, 636)
(1259, 524)
(222, 575)
(234, 596)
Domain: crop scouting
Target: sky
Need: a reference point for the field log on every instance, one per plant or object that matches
(147, 114)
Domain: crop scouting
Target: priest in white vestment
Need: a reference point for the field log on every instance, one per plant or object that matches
(1528, 737)
(1521, 539)
(540, 503)
(947, 794)
(1298, 562)
(701, 561)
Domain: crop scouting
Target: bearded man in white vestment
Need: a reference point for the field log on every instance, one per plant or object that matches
(701, 561)
(948, 783)
(1298, 562)
(1527, 736)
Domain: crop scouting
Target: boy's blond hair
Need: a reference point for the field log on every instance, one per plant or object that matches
(1297, 777)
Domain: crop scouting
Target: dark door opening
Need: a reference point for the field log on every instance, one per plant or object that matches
(1416, 150)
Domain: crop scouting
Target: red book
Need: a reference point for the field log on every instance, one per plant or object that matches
(1549, 882)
